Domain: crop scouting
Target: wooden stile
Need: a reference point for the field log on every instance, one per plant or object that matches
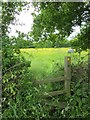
(66, 78)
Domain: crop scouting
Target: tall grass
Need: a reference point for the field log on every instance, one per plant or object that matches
(44, 60)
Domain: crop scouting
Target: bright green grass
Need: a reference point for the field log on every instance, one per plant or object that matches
(44, 59)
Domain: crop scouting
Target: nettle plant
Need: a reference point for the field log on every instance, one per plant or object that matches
(14, 70)
(78, 104)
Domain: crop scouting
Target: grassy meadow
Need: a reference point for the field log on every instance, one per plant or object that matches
(45, 61)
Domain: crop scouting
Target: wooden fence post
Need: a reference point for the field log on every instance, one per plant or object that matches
(67, 68)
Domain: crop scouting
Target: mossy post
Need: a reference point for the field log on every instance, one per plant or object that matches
(67, 75)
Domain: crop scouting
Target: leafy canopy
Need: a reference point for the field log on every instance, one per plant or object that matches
(61, 16)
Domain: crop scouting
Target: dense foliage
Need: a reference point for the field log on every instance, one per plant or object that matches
(59, 16)
(78, 41)
(78, 102)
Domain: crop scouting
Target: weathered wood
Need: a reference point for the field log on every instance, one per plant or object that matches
(54, 103)
(50, 80)
(54, 93)
(67, 74)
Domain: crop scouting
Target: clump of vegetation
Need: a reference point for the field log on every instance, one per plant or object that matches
(78, 103)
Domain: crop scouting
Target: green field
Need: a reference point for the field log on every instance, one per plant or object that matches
(45, 60)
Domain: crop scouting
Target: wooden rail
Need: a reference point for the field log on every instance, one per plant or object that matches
(58, 79)
(54, 93)
(54, 103)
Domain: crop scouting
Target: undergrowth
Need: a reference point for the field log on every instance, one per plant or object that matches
(22, 98)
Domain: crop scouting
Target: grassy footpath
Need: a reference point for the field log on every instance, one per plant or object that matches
(43, 60)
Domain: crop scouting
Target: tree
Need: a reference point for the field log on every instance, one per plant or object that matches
(61, 16)
(21, 41)
(9, 9)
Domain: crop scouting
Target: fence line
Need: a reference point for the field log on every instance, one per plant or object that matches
(66, 78)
